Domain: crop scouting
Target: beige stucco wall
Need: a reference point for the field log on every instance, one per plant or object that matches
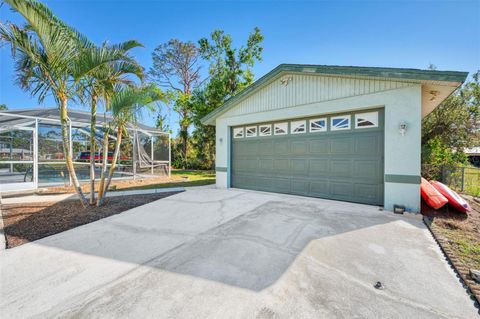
(402, 153)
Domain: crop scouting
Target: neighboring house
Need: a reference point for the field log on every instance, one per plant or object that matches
(342, 133)
(473, 155)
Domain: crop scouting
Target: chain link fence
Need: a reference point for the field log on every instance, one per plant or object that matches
(460, 178)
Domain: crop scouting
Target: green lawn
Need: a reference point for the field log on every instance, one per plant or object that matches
(472, 181)
(190, 178)
(453, 177)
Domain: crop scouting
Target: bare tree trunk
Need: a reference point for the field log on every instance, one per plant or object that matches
(184, 146)
(67, 151)
(93, 121)
(184, 137)
(103, 173)
(113, 166)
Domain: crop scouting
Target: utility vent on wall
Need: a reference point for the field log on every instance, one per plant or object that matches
(285, 80)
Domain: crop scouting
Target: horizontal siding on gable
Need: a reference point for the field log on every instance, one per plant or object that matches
(306, 89)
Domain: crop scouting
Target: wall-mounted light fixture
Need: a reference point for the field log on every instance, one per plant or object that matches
(220, 139)
(402, 128)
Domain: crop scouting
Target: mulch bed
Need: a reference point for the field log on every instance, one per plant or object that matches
(448, 227)
(24, 223)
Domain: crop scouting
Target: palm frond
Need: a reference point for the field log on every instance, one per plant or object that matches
(127, 45)
(128, 102)
(41, 20)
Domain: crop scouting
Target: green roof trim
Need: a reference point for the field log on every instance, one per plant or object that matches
(356, 71)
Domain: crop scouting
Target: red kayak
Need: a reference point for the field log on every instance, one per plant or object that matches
(454, 199)
(431, 195)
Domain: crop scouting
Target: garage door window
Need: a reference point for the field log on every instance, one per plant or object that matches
(251, 131)
(318, 125)
(298, 127)
(238, 132)
(265, 130)
(366, 120)
(280, 128)
(338, 123)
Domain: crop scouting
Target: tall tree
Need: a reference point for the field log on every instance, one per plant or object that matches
(230, 72)
(3, 107)
(52, 58)
(176, 67)
(453, 126)
(230, 68)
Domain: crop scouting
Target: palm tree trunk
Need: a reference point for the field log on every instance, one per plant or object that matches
(114, 164)
(93, 121)
(103, 173)
(67, 151)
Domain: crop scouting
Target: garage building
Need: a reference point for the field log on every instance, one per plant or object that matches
(334, 132)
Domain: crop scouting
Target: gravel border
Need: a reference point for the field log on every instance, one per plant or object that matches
(463, 273)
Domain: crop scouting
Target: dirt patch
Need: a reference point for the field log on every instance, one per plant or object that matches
(462, 231)
(24, 223)
(459, 236)
(179, 178)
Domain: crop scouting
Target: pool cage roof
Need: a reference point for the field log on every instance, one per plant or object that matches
(12, 119)
(34, 158)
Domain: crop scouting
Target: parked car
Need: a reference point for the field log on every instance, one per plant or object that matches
(85, 157)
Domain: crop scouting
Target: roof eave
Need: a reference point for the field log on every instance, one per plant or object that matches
(453, 77)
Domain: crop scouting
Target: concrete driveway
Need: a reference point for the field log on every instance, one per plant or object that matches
(212, 253)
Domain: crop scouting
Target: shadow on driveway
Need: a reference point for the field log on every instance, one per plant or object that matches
(244, 239)
(233, 247)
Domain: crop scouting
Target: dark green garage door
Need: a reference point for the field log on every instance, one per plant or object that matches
(345, 164)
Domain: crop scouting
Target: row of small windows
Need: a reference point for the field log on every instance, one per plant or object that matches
(337, 123)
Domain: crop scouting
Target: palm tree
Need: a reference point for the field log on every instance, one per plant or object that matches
(115, 74)
(53, 58)
(126, 105)
(101, 84)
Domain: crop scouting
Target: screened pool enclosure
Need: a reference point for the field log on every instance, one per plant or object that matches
(31, 152)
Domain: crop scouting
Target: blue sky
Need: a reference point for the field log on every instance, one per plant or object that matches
(409, 34)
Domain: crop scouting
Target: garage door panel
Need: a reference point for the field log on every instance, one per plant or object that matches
(368, 144)
(266, 164)
(320, 188)
(299, 166)
(368, 169)
(265, 147)
(319, 145)
(299, 147)
(245, 164)
(245, 180)
(263, 183)
(319, 167)
(341, 168)
(341, 145)
(281, 185)
(341, 189)
(281, 165)
(247, 149)
(368, 193)
(280, 147)
(300, 187)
